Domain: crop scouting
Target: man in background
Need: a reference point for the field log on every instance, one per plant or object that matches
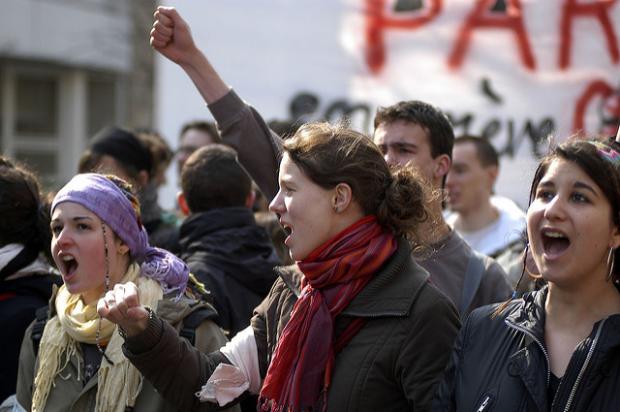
(193, 136)
(220, 240)
(489, 224)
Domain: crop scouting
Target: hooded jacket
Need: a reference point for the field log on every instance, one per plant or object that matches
(234, 257)
(501, 364)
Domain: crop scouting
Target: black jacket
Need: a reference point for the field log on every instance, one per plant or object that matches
(19, 300)
(234, 257)
(501, 364)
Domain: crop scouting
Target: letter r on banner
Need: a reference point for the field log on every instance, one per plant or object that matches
(598, 9)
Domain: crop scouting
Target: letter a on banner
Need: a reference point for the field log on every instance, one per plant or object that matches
(482, 18)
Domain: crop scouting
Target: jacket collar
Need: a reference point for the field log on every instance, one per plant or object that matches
(202, 224)
(391, 292)
(529, 315)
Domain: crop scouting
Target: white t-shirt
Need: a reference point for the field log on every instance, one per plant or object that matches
(493, 238)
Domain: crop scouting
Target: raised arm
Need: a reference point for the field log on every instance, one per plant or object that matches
(239, 124)
(172, 38)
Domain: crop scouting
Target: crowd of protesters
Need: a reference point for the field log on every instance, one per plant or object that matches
(324, 271)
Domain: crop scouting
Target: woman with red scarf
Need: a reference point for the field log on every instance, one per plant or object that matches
(355, 325)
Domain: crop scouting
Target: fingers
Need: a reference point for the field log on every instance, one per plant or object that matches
(162, 31)
(168, 13)
(159, 41)
(116, 304)
(162, 15)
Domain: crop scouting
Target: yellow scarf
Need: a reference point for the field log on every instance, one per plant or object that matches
(119, 384)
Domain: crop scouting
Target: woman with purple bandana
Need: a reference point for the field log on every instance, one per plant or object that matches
(98, 241)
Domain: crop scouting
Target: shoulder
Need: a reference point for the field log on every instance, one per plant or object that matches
(289, 277)
(412, 280)
(174, 310)
(487, 321)
(493, 270)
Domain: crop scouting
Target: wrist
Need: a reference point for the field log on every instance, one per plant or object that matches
(195, 58)
(137, 327)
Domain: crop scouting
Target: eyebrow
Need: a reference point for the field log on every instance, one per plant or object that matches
(577, 185)
(582, 185)
(75, 219)
(399, 144)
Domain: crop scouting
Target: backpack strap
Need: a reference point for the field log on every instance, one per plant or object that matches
(471, 282)
(41, 316)
(193, 320)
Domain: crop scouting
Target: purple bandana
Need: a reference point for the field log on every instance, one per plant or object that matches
(102, 197)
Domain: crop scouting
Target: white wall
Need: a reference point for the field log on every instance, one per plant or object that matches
(91, 33)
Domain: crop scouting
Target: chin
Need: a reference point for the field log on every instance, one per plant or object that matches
(297, 256)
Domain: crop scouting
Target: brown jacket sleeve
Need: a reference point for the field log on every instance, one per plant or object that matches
(174, 367)
(258, 147)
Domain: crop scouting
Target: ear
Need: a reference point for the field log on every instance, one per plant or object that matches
(492, 173)
(183, 204)
(250, 198)
(342, 197)
(142, 178)
(615, 238)
(442, 166)
(121, 247)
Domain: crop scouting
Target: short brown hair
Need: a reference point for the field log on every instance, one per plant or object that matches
(213, 178)
(429, 117)
(485, 152)
(204, 126)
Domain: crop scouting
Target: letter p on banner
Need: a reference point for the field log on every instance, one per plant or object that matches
(378, 20)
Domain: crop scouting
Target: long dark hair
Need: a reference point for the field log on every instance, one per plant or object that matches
(597, 158)
(24, 211)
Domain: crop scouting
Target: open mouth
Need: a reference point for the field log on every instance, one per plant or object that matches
(286, 228)
(288, 231)
(69, 264)
(554, 242)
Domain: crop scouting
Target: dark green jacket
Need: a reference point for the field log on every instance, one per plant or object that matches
(393, 363)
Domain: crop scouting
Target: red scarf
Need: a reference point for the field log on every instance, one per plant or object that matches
(334, 274)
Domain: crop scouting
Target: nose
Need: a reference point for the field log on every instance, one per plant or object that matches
(555, 209)
(389, 157)
(62, 238)
(449, 180)
(277, 204)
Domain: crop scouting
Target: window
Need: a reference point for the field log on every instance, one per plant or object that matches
(101, 103)
(36, 105)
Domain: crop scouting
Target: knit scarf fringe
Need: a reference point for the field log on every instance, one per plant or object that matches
(118, 384)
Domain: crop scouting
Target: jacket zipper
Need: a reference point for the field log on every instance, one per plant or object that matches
(483, 405)
(584, 366)
(544, 351)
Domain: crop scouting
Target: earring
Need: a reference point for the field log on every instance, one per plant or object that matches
(106, 261)
(611, 259)
(106, 264)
